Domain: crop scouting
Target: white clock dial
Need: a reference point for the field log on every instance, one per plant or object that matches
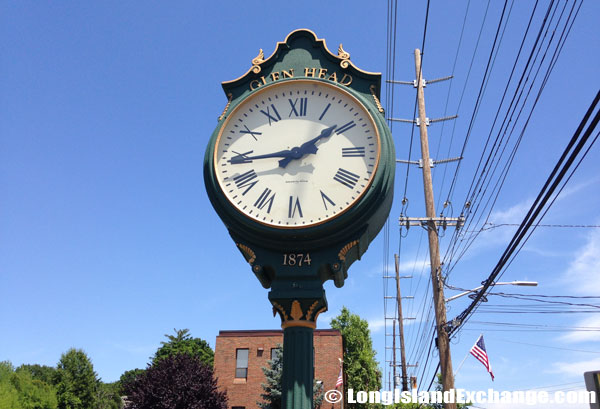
(296, 154)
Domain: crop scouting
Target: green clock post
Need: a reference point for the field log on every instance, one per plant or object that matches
(301, 170)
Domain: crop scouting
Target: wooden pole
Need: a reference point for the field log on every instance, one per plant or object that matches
(401, 327)
(394, 353)
(443, 342)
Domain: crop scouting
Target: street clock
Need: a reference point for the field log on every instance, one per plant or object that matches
(300, 168)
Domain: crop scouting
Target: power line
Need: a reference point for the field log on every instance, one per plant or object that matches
(556, 176)
(571, 226)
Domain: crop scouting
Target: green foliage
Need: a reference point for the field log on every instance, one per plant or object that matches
(19, 390)
(183, 343)
(76, 381)
(272, 387)
(360, 365)
(108, 396)
(33, 393)
(9, 397)
(40, 372)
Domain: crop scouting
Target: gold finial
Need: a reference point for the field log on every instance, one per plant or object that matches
(259, 59)
(344, 55)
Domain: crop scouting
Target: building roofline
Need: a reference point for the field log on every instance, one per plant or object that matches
(273, 332)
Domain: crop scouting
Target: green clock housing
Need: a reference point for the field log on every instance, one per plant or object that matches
(302, 160)
(300, 169)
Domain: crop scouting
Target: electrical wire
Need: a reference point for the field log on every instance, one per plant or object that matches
(567, 158)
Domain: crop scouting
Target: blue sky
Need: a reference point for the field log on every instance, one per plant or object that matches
(108, 240)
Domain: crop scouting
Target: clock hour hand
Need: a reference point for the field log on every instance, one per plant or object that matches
(306, 148)
(244, 158)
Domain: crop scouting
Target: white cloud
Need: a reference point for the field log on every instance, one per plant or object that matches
(583, 273)
(584, 336)
(576, 368)
(513, 214)
(376, 325)
(570, 190)
(406, 267)
(581, 278)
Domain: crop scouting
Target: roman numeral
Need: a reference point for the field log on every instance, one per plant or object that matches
(240, 158)
(246, 179)
(271, 117)
(248, 131)
(353, 152)
(346, 178)
(301, 111)
(293, 207)
(326, 199)
(324, 111)
(265, 198)
(346, 127)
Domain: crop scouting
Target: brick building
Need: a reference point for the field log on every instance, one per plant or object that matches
(241, 355)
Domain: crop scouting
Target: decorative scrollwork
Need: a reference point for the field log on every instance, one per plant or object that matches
(259, 59)
(248, 253)
(229, 97)
(346, 249)
(310, 311)
(377, 103)
(345, 56)
(277, 307)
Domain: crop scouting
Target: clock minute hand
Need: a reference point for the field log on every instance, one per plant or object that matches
(241, 158)
(306, 147)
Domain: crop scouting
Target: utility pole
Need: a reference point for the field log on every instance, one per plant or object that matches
(401, 330)
(443, 342)
(394, 352)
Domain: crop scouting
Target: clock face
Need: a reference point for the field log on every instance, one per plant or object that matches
(296, 154)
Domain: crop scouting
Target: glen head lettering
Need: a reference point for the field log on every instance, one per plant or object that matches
(345, 79)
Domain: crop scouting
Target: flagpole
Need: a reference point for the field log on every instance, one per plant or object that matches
(461, 364)
(465, 358)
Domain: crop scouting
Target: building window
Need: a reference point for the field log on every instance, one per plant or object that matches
(241, 363)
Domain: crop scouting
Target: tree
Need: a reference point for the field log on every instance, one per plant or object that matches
(129, 377)
(179, 381)
(40, 372)
(9, 397)
(108, 396)
(33, 393)
(272, 387)
(76, 381)
(360, 365)
(19, 390)
(183, 343)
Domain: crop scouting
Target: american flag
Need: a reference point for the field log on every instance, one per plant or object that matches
(479, 352)
(340, 379)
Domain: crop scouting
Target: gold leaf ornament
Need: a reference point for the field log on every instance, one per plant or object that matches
(296, 312)
(259, 59)
(345, 56)
(344, 251)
